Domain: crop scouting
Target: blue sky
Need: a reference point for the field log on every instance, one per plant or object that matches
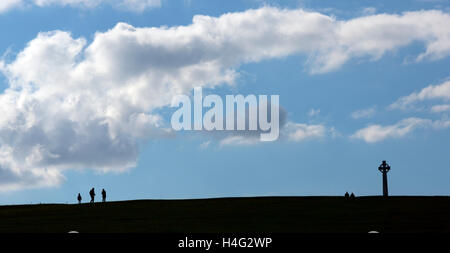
(385, 98)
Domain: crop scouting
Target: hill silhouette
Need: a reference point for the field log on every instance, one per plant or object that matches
(258, 214)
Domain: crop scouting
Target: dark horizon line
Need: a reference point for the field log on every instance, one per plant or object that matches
(243, 197)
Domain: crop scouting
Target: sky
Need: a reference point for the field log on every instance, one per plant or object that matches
(87, 88)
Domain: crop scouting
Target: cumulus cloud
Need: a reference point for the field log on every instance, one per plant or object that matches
(375, 35)
(376, 133)
(431, 92)
(132, 5)
(299, 131)
(73, 105)
(64, 113)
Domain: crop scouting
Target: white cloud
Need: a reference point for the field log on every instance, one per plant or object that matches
(132, 5)
(83, 3)
(299, 131)
(443, 123)
(376, 133)
(75, 105)
(431, 92)
(62, 112)
(369, 11)
(140, 5)
(364, 113)
(272, 33)
(440, 108)
(291, 131)
(6, 5)
(376, 35)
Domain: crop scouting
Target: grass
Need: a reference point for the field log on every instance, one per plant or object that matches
(259, 214)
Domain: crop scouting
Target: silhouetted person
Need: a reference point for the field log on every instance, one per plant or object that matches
(79, 198)
(92, 193)
(103, 195)
(346, 195)
(352, 196)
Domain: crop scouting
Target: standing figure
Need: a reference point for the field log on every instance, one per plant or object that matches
(92, 193)
(103, 195)
(352, 196)
(79, 198)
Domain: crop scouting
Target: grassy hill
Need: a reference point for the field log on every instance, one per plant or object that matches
(260, 214)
